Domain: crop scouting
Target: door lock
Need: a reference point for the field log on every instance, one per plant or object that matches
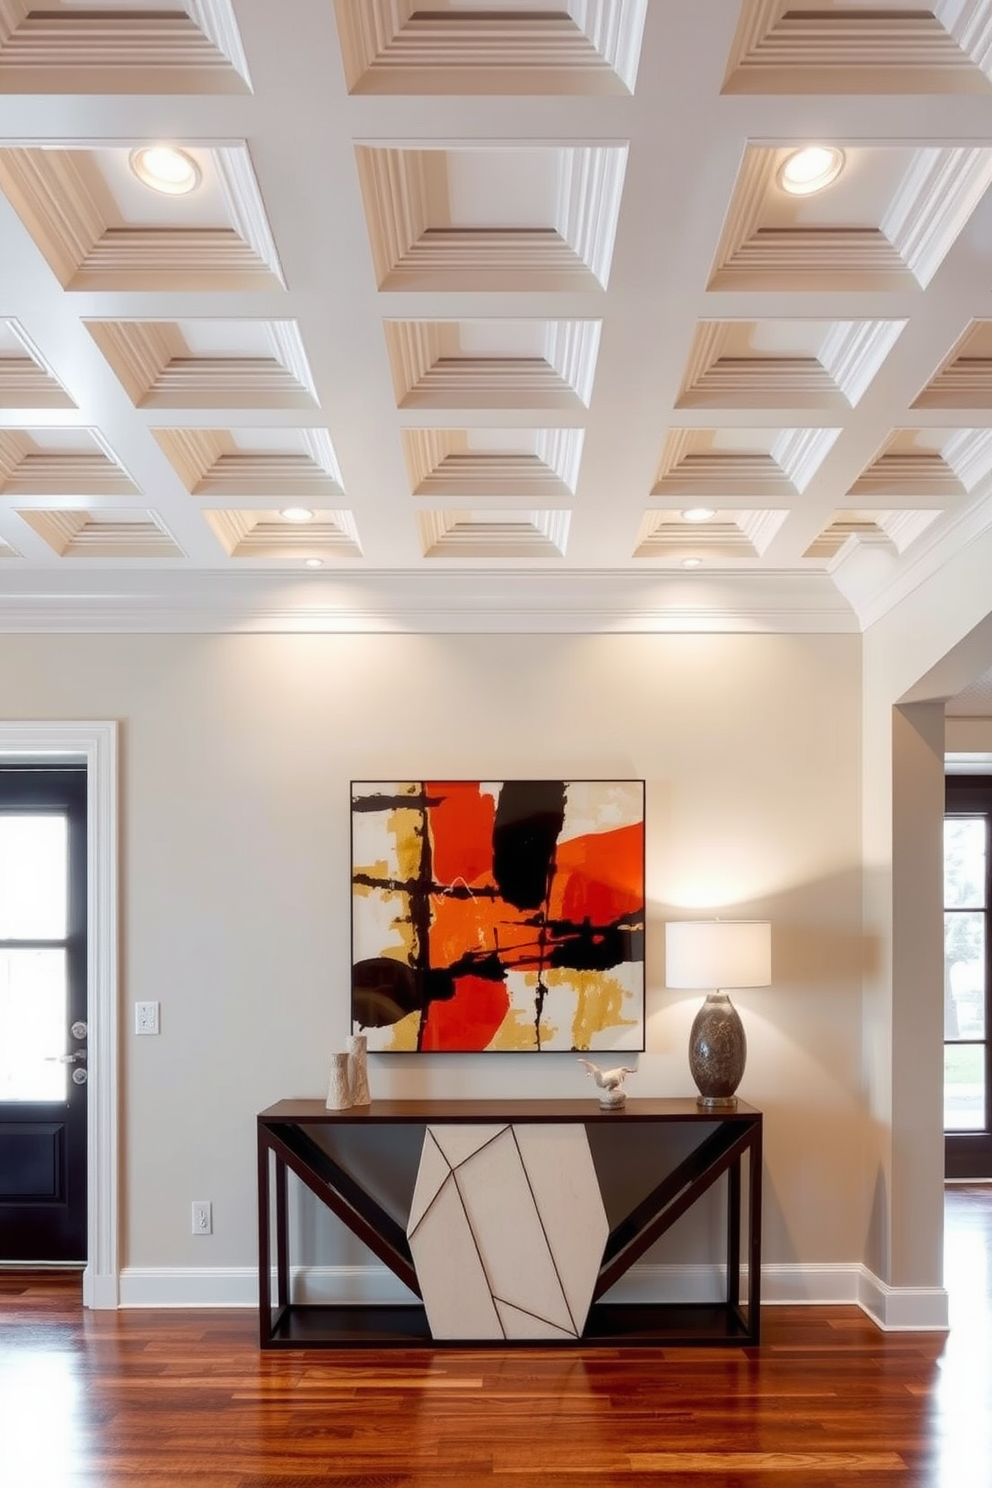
(79, 1030)
(79, 1077)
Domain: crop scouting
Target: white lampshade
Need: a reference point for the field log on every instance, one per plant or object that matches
(708, 955)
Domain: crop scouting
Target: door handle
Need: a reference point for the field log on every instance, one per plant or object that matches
(78, 1058)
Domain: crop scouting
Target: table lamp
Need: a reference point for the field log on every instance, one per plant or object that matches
(713, 955)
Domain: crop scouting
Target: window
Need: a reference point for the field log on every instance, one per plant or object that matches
(967, 1082)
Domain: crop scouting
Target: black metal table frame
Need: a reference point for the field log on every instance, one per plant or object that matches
(284, 1146)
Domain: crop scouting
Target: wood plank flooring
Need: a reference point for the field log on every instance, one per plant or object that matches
(149, 1399)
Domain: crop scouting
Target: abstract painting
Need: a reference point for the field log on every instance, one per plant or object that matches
(498, 915)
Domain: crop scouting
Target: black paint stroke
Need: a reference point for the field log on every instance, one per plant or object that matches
(529, 817)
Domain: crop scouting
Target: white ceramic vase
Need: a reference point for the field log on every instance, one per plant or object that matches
(358, 1070)
(339, 1083)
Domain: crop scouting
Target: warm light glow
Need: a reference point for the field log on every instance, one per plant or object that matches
(164, 168)
(296, 514)
(710, 955)
(698, 514)
(691, 562)
(810, 169)
(314, 562)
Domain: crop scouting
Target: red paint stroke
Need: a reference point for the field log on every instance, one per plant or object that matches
(461, 826)
(599, 877)
(467, 1022)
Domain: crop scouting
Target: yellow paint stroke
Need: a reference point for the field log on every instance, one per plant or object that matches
(516, 1032)
(404, 1035)
(378, 869)
(599, 1002)
(406, 825)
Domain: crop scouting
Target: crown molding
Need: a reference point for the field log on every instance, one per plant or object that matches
(481, 602)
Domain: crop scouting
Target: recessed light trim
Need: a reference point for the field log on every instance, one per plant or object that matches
(165, 168)
(296, 514)
(692, 562)
(810, 169)
(698, 513)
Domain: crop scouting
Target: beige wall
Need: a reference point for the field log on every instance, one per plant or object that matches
(236, 758)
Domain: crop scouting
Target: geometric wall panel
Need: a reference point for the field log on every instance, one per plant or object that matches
(59, 462)
(533, 46)
(921, 198)
(838, 46)
(268, 536)
(99, 228)
(492, 363)
(249, 462)
(507, 1229)
(492, 217)
(103, 533)
(493, 462)
(25, 381)
(147, 46)
(493, 534)
(785, 364)
(207, 363)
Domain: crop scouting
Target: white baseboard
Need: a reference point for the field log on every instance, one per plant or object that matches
(892, 1308)
(903, 1309)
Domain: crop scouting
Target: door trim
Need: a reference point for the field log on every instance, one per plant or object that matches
(95, 743)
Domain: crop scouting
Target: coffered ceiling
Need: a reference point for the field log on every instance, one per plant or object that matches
(497, 291)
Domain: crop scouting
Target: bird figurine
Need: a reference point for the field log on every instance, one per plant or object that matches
(610, 1082)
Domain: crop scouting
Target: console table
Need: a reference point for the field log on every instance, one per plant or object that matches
(729, 1148)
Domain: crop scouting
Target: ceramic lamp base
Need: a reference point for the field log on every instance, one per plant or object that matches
(717, 1052)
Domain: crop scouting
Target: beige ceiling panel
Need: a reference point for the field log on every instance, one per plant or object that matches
(252, 462)
(893, 530)
(100, 229)
(493, 534)
(492, 218)
(103, 533)
(147, 46)
(887, 223)
(785, 364)
(269, 538)
(492, 363)
(927, 466)
(531, 46)
(834, 46)
(964, 379)
(207, 364)
(25, 381)
(752, 463)
(540, 463)
(59, 462)
(725, 535)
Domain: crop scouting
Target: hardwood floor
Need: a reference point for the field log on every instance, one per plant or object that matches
(149, 1399)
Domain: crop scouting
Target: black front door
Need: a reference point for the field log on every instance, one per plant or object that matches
(43, 1092)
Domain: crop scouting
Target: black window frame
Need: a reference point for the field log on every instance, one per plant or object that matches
(969, 1154)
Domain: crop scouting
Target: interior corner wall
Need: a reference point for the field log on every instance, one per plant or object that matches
(236, 757)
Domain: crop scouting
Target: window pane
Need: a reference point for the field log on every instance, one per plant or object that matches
(964, 1087)
(964, 862)
(32, 1025)
(964, 976)
(33, 877)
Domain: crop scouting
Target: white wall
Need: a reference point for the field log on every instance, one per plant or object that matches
(236, 758)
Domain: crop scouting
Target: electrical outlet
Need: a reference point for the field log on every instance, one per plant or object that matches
(146, 1017)
(203, 1217)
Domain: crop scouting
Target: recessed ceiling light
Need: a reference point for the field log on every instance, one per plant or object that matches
(691, 562)
(810, 169)
(164, 168)
(698, 514)
(314, 562)
(296, 514)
